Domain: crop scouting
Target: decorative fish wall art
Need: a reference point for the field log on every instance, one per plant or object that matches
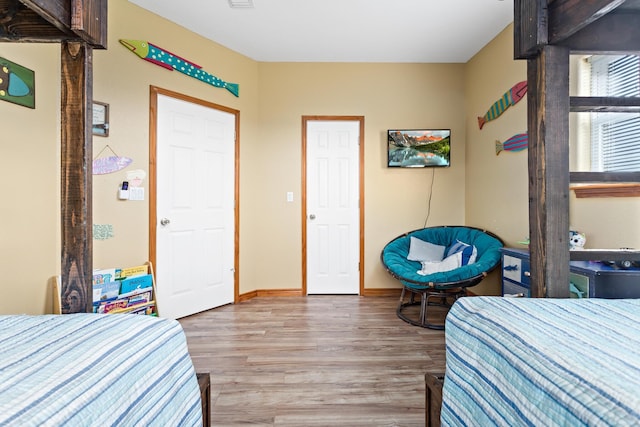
(516, 143)
(164, 58)
(511, 97)
(17, 84)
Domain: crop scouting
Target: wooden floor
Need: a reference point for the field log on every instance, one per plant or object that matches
(314, 361)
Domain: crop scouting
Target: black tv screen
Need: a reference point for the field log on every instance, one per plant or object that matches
(418, 148)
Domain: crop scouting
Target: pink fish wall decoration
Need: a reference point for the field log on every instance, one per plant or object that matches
(511, 97)
(516, 143)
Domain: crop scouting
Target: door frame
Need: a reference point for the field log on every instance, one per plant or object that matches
(154, 91)
(360, 120)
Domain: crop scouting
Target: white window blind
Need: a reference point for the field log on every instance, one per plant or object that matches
(615, 137)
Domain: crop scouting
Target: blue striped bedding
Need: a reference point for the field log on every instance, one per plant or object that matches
(542, 362)
(96, 369)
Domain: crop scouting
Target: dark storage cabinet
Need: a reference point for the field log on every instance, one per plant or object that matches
(587, 279)
(516, 273)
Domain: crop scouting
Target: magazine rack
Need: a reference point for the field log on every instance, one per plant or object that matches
(127, 290)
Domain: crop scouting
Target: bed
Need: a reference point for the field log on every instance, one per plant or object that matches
(520, 361)
(584, 368)
(93, 369)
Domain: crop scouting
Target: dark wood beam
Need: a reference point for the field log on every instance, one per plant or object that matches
(616, 33)
(20, 23)
(586, 177)
(76, 179)
(54, 21)
(89, 21)
(530, 27)
(567, 17)
(56, 12)
(587, 104)
(548, 154)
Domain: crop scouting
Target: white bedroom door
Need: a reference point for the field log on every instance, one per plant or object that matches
(333, 206)
(195, 225)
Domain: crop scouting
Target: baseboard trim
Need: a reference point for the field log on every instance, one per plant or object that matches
(382, 292)
(270, 293)
(377, 292)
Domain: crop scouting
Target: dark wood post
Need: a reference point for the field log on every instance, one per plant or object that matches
(548, 124)
(76, 179)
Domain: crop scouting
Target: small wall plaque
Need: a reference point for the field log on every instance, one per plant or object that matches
(100, 125)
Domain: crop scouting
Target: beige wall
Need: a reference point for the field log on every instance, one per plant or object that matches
(273, 99)
(30, 173)
(496, 185)
(122, 80)
(388, 96)
(480, 188)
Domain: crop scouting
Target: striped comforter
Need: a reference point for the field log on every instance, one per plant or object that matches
(542, 362)
(92, 369)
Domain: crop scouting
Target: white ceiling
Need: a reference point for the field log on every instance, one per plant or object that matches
(344, 30)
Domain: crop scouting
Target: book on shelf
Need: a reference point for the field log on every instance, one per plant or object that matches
(131, 284)
(124, 290)
(124, 301)
(143, 308)
(107, 275)
(134, 271)
(105, 291)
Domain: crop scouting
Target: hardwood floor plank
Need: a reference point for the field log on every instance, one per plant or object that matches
(314, 361)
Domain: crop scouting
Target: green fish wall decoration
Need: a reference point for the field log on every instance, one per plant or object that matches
(164, 58)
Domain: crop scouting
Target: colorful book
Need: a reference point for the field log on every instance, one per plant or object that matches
(134, 271)
(137, 282)
(106, 290)
(98, 306)
(105, 275)
(141, 298)
(113, 305)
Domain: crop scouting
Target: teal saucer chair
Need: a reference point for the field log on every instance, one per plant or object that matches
(441, 288)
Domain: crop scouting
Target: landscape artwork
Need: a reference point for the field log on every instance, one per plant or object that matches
(418, 148)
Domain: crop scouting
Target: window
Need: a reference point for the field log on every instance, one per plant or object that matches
(614, 137)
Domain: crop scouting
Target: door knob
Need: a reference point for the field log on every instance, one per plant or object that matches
(164, 221)
(312, 217)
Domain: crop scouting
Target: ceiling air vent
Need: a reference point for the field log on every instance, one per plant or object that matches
(241, 4)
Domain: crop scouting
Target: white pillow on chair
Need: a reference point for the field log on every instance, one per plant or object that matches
(419, 250)
(449, 263)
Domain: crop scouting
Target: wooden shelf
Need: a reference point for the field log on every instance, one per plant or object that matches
(606, 190)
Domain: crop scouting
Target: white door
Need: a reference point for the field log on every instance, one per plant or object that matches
(333, 215)
(194, 207)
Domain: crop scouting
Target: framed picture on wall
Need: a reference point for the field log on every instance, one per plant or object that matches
(418, 148)
(100, 125)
